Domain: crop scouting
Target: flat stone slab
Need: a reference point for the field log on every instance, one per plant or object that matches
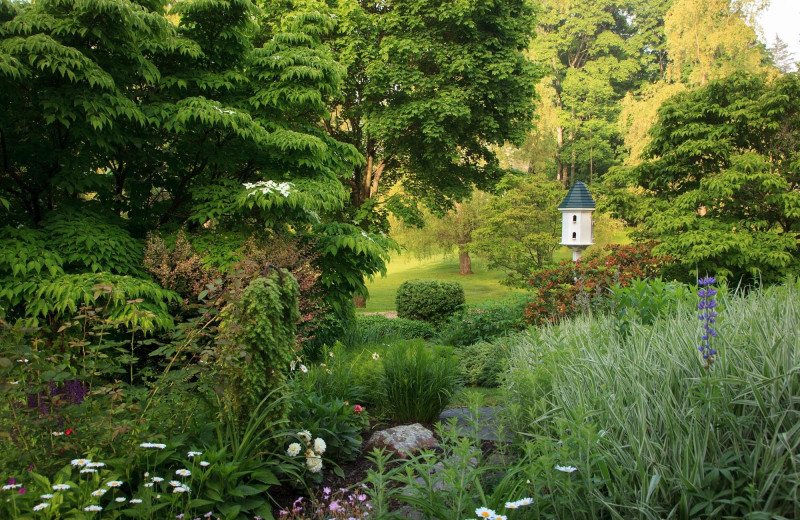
(487, 422)
(403, 441)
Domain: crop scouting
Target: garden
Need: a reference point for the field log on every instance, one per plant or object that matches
(198, 197)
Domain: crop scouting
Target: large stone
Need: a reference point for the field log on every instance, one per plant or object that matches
(403, 441)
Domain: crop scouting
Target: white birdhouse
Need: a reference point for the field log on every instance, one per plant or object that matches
(577, 228)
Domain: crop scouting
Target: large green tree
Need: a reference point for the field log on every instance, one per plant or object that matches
(521, 227)
(594, 53)
(430, 86)
(120, 117)
(722, 177)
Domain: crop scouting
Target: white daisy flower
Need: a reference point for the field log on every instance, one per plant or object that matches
(157, 479)
(80, 462)
(135, 501)
(567, 469)
(114, 483)
(484, 512)
(39, 507)
(194, 454)
(183, 473)
(525, 501)
(375, 356)
(95, 464)
(99, 492)
(120, 499)
(175, 483)
(303, 369)
(11, 486)
(179, 489)
(47, 496)
(88, 470)
(60, 487)
(148, 484)
(204, 463)
(93, 508)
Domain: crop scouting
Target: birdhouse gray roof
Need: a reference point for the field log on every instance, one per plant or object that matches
(578, 197)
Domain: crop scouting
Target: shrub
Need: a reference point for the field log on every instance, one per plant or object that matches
(258, 340)
(572, 288)
(485, 322)
(376, 328)
(482, 364)
(644, 301)
(417, 381)
(429, 300)
(338, 422)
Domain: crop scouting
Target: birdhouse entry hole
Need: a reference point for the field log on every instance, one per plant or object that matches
(574, 235)
(574, 218)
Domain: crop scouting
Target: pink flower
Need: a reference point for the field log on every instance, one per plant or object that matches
(334, 506)
(22, 491)
(357, 408)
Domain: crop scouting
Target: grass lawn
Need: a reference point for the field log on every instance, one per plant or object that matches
(480, 287)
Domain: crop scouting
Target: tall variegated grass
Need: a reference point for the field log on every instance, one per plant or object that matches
(652, 433)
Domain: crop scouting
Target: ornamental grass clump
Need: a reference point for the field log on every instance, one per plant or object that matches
(651, 436)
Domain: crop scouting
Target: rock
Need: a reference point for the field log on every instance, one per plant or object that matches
(486, 426)
(403, 441)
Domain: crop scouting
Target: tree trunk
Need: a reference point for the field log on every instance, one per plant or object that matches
(360, 301)
(464, 263)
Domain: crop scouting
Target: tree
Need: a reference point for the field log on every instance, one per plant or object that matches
(782, 57)
(430, 86)
(721, 177)
(594, 52)
(120, 117)
(522, 226)
(445, 233)
(711, 39)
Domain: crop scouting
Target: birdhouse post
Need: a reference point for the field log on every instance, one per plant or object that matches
(577, 228)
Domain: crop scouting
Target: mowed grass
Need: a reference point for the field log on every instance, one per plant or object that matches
(480, 287)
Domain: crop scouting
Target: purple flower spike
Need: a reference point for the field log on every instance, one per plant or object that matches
(707, 295)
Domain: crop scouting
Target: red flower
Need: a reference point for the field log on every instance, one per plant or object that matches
(357, 408)
(68, 432)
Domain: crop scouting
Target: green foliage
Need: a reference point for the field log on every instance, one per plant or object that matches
(482, 364)
(377, 328)
(521, 227)
(485, 322)
(721, 179)
(417, 381)
(429, 300)
(346, 255)
(451, 483)
(645, 301)
(334, 420)
(430, 86)
(648, 428)
(259, 341)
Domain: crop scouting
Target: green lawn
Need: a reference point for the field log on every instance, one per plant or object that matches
(482, 286)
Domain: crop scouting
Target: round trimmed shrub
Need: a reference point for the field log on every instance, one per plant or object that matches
(429, 300)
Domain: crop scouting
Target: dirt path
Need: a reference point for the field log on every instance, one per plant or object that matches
(388, 314)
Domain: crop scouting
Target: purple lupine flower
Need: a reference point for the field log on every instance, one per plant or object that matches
(707, 317)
